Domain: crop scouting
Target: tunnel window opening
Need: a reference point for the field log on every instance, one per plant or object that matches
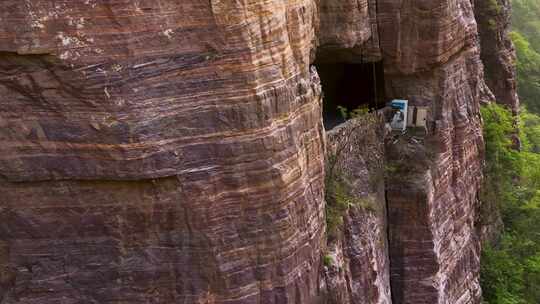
(351, 86)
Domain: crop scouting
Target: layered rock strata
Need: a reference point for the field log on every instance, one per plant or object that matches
(173, 152)
(498, 54)
(159, 152)
(357, 267)
(432, 58)
(348, 31)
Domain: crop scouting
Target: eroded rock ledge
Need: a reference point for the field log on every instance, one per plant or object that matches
(173, 152)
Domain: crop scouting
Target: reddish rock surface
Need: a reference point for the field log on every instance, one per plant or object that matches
(359, 267)
(173, 152)
(159, 152)
(348, 31)
(432, 58)
(498, 54)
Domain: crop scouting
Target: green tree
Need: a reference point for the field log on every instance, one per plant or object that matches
(510, 270)
(528, 69)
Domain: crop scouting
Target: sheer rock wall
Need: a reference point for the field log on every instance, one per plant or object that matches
(498, 54)
(173, 151)
(433, 59)
(359, 267)
(348, 31)
(159, 152)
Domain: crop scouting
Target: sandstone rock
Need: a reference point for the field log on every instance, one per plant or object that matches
(432, 59)
(498, 52)
(173, 152)
(348, 31)
(159, 152)
(418, 36)
(360, 269)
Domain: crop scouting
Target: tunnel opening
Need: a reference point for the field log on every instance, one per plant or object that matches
(350, 86)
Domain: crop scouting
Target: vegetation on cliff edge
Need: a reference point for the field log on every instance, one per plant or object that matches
(510, 271)
(526, 38)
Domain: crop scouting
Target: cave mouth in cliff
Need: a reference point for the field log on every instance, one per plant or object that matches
(351, 86)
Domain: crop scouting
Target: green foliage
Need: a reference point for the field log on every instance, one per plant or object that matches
(339, 196)
(528, 69)
(338, 201)
(356, 113)
(343, 112)
(502, 276)
(526, 20)
(532, 279)
(530, 125)
(495, 6)
(526, 38)
(492, 24)
(328, 260)
(503, 164)
(391, 168)
(498, 128)
(510, 270)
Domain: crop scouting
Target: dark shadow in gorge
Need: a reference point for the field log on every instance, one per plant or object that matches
(352, 86)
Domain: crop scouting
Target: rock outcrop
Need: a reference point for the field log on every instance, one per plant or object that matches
(498, 54)
(357, 265)
(348, 31)
(433, 59)
(174, 151)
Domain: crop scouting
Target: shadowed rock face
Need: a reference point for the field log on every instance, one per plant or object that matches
(173, 151)
(498, 52)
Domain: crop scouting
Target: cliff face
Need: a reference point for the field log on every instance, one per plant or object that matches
(159, 152)
(173, 152)
(348, 31)
(432, 195)
(498, 54)
(356, 267)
